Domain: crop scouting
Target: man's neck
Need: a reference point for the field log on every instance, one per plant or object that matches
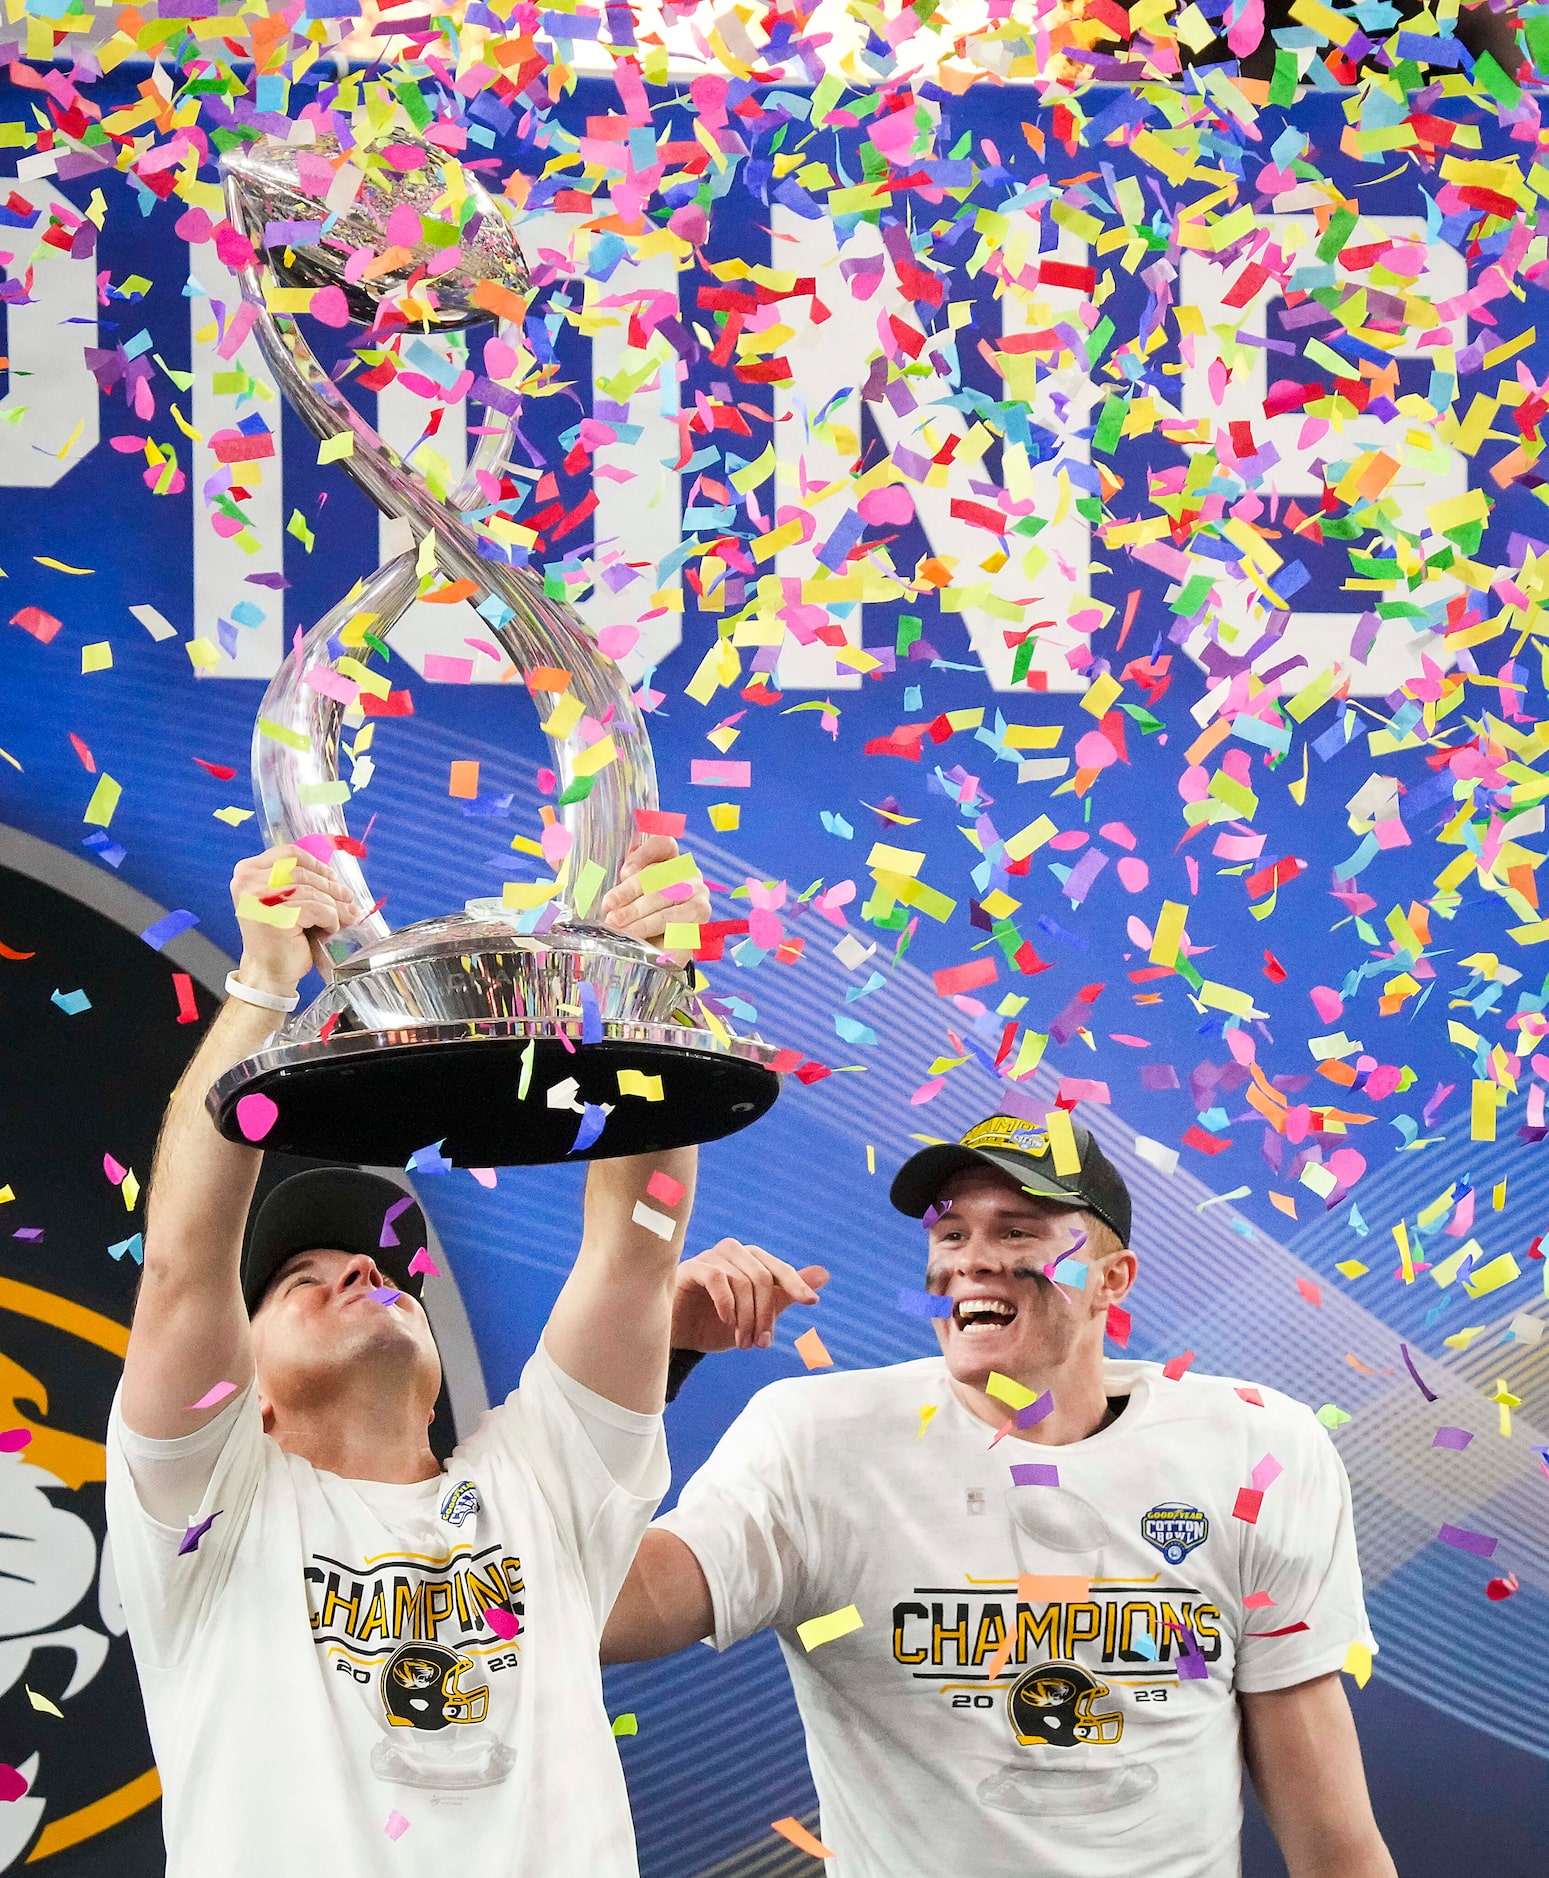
(1080, 1401)
(354, 1446)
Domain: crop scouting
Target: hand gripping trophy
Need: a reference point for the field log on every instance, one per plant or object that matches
(461, 1029)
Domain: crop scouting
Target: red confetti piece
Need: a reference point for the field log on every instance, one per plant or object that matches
(187, 1009)
(1174, 1367)
(1248, 1502)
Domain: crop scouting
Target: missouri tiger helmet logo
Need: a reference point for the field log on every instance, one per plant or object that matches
(1053, 1707)
(420, 1688)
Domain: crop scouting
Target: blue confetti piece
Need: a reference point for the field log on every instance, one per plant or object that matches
(428, 1160)
(837, 825)
(591, 1016)
(852, 1030)
(1143, 1644)
(134, 1246)
(924, 1304)
(72, 1003)
(1072, 1272)
(593, 1115)
(168, 927)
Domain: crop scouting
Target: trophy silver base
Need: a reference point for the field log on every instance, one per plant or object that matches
(453, 1033)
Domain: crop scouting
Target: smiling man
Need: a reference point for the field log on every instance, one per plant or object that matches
(355, 1660)
(1075, 1624)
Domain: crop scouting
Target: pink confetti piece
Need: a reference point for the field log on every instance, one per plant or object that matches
(505, 1624)
(1266, 1473)
(256, 1115)
(12, 1784)
(1258, 1601)
(396, 1825)
(664, 1188)
(423, 1262)
(218, 1392)
(13, 1440)
(113, 1169)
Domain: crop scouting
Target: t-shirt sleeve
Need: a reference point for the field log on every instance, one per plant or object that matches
(1302, 1552)
(158, 1492)
(741, 1516)
(602, 1469)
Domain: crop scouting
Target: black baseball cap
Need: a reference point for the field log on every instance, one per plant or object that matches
(335, 1209)
(1021, 1149)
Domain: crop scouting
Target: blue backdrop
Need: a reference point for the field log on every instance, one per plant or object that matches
(1455, 1707)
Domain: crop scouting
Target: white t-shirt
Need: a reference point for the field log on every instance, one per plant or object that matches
(1087, 1756)
(320, 1671)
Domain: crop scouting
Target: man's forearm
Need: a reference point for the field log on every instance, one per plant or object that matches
(610, 1327)
(202, 1184)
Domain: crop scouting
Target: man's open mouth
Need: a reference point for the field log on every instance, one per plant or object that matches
(981, 1316)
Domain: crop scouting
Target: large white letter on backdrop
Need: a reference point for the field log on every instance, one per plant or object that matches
(51, 385)
(1425, 476)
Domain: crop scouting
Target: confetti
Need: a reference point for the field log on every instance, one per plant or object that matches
(256, 1115)
(218, 1392)
(190, 1539)
(819, 1630)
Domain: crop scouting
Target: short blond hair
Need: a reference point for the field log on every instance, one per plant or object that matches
(1102, 1242)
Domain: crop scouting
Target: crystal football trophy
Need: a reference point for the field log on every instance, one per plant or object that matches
(500, 1034)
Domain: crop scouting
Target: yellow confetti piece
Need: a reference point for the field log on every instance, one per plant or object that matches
(61, 567)
(927, 1414)
(252, 908)
(42, 1703)
(1488, 1098)
(104, 800)
(635, 1082)
(1169, 933)
(1358, 1658)
(203, 653)
(1487, 1278)
(524, 895)
(1405, 1252)
(1007, 1389)
(625, 1725)
(588, 883)
(1351, 1268)
(820, 1630)
(129, 1187)
(596, 756)
(1461, 1339)
(97, 658)
(233, 818)
(681, 935)
(564, 717)
(725, 816)
(1062, 1142)
(334, 449)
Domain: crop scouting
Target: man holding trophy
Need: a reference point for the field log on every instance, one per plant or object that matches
(353, 1657)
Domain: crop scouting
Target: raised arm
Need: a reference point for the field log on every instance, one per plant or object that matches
(190, 1329)
(1302, 1751)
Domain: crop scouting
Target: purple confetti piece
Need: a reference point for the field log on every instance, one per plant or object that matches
(190, 1539)
(1479, 1543)
(389, 1237)
(168, 927)
(1034, 1473)
(1403, 1350)
(28, 1232)
(924, 1304)
(1458, 1438)
(593, 1115)
(386, 1294)
(1035, 1412)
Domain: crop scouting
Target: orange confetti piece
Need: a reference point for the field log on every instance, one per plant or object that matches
(811, 1350)
(799, 1836)
(464, 781)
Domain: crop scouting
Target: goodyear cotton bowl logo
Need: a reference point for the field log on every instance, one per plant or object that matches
(1008, 1131)
(1175, 1530)
(461, 1502)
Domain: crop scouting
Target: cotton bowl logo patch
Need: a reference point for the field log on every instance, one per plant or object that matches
(1175, 1530)
(1008, 1131)
(460, 1503)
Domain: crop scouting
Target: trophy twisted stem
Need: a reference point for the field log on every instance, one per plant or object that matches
(290, 784)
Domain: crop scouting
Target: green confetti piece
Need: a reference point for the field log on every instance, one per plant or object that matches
(1282, 86)
(1490, 76)
(1110, 425)
(1341, 225)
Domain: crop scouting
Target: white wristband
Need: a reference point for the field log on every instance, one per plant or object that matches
(265, 1000)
